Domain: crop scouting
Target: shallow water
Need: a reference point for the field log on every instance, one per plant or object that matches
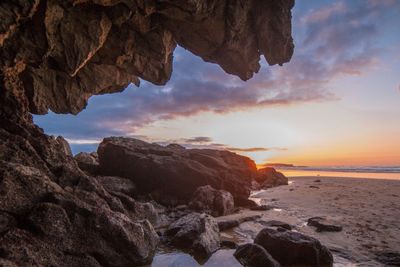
(223, 257)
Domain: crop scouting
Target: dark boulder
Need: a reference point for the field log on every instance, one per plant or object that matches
(253, 255)
(269, 177)
(292, 248)
(323, 224)
(212, 201)
(175, 173)
(195, 231)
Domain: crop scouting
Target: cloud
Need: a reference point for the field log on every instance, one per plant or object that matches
(333, 40)
(199, 139)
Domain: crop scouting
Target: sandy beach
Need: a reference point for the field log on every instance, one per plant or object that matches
(367, 209)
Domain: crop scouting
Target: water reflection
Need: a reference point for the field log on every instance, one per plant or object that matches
(223, 257)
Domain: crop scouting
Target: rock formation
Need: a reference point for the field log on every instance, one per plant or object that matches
(212, 201)
(269, 177)
(293, 248)
(54, 55)
(196, 232)
(171, 173)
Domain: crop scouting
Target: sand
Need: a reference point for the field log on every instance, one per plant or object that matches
(368, 210)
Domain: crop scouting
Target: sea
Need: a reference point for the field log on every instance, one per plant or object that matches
(373, 172)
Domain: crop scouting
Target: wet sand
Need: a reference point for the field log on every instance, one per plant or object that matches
(368, 210)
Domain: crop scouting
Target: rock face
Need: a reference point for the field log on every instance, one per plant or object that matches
(170, 172)
(195, 231)
(253, 255)
(212, 201)
(65, 51)
(294, 249)
(269, 177)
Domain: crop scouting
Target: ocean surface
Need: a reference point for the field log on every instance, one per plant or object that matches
(374, 172)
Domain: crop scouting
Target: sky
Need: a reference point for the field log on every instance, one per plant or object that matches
(336, 103)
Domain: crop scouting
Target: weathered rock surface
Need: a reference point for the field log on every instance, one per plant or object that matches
(65, 51)
(212, 201)
(87, 162)
(253, 255)
(292, 248)
(269, 177)
(53, 213)
(323, 224)
(170, 172)
(195, 231)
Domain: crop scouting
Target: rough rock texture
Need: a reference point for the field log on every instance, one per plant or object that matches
(65, 51)
(52, 213)
(292, 248)
(195, 231)
(170, 172)
(253, 255)
(212, 201)
(117, 185)
(269, 177)
(87, 162)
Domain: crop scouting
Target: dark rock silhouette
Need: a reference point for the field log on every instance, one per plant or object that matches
(323, 224)
(292, 248)
(253, 255)
(174, 174)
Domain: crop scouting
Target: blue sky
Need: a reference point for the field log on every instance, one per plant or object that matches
(337, 102)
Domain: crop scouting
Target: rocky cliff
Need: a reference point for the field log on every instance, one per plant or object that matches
(55, 54)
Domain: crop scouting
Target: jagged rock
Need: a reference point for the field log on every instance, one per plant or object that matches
(87, 162)
(196, 231)
(170, 173)
(89, 47)
(323, 224)
(269, 177)
(253, 255)
(292, 248)
(65, 148)
(212, 201)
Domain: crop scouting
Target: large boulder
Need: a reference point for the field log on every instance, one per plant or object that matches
(115, 184)
(171, 172)
(293, 248)
(269, 177)
(195, 231)
(212, 201)
(253, 255)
